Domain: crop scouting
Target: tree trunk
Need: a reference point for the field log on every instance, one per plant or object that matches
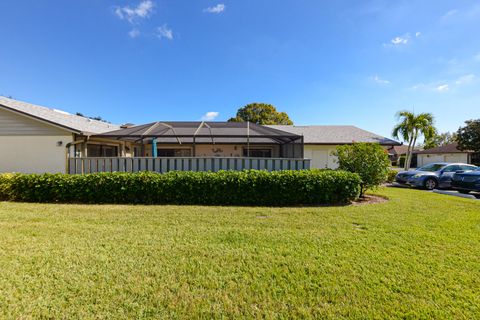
(407, 156)
(413, 147)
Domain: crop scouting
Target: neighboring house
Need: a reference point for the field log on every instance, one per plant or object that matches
(447, 153)
(33, 138)
(321, 141)
(395, 152)
(398, 155)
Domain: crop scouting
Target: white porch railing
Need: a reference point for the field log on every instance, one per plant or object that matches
(161, 165)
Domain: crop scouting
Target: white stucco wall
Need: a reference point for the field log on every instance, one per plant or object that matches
(423, 159)
(33, 154)
(321, 156)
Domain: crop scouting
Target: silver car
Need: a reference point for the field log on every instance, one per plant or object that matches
(433, 175)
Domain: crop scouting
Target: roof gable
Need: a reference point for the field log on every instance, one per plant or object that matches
(58, 118)
(14, 124)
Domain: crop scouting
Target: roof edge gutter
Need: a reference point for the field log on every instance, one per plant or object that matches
(52, 123)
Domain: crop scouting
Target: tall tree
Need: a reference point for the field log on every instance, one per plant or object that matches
(468, 137)
(261, 113)
(440, 139)
(410, 127)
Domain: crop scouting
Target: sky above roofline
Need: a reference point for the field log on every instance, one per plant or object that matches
(338, 62)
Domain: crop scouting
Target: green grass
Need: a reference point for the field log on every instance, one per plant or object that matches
(416, 256)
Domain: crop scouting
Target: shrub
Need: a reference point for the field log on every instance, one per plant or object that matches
(5, 186)
(391, 176)
(251, 187)
(369, 160)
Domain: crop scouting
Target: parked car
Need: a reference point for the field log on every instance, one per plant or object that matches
(433, 175)
(465, 182)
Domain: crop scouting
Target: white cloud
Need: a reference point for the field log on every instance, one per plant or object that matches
(210, 116)
(418, 86)
(216, 9)
(459, 16)
(465, 79)
(443, 88)
(134, 33)
(449, 14)
(403, 39)
(444, 85)
(164, 32)
(132, 15)
(379, 80)
(399, 40)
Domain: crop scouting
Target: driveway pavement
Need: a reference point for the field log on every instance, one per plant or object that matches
(472, 195)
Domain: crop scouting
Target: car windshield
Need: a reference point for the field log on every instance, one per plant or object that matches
(432, 167)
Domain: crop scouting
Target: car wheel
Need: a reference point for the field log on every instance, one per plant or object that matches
(430, 184)
(464, 191)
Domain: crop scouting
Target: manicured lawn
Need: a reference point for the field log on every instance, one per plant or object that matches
(416, 256)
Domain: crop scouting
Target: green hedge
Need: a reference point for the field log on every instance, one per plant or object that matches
(5, 186)
(252, 187)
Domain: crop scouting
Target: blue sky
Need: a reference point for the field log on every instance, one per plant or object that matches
(323, 62)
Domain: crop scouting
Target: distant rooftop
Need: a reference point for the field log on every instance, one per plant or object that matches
(398, 150)
(335, 134)
(449, 148)
(57, 117)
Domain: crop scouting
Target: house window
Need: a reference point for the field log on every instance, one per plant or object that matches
(174, 152)
(258, 153)
(100, 150)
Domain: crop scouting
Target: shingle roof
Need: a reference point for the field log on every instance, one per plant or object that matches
(398, 150)
(335, 134)
(60, 118)
(449, 148)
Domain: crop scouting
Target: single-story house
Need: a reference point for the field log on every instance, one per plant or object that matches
(321, 141)
(36, 139)
(447, 153)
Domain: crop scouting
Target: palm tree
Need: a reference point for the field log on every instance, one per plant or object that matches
(410, 127)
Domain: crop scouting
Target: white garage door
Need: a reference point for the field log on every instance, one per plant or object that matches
(459, 157)
(431, 158)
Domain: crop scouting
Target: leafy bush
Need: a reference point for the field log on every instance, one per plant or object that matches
(5, 186)
(391, 176)
(251, 187)
(369, 160)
